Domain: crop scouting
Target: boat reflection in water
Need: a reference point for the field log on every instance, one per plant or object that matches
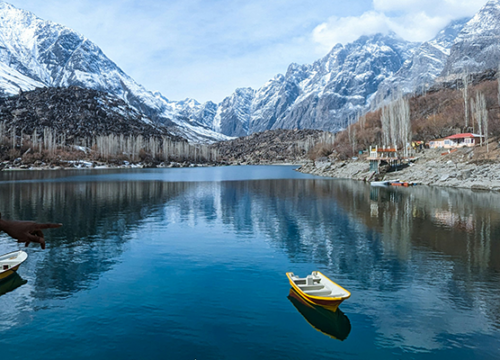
(11, 283)
(332, 323)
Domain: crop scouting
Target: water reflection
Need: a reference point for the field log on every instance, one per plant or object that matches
(11, 283)
(97, 218)
(319, 221)
(431, 253)
(331, 323)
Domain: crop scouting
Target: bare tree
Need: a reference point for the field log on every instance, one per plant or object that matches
(396, 126)
(473, 113)
(465, 93)
(384, 119)
(404, 124)
(480, 113)
(484, 118)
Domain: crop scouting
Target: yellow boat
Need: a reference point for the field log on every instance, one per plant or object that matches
(9, 263)
(319, 290)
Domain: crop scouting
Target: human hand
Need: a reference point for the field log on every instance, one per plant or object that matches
(26, 231)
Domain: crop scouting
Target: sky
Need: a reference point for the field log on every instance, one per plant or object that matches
(206, 49)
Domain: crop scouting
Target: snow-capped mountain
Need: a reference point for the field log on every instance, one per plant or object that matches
(318, 96)
(37, 53)
(340, 85)
(350, 78)
(477, 46)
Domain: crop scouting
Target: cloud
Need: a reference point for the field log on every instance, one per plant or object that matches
(413, 20)
(347, 29)
(442, 8)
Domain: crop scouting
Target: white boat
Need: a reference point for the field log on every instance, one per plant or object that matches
(9, 263)
(383, 183)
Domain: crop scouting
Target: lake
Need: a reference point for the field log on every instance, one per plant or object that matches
(190, 264)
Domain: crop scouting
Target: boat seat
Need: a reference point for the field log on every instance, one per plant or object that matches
(318, 292)
(311, 287)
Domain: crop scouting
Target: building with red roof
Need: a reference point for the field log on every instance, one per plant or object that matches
(456, 141)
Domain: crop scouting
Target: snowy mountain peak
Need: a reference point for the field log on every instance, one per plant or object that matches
(38, 53)
(485, 23)
(320, 95)
(476, 47)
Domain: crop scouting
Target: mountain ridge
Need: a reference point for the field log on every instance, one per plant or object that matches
(55, 56)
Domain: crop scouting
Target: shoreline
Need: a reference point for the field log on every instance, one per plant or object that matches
(431, 167)
(97, 165)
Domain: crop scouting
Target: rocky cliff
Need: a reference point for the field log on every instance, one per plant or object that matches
(271, 146)
(75, 113)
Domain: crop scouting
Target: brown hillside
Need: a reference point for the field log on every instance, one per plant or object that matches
(436, 114)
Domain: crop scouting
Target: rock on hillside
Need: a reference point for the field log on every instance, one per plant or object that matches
(75, 113)
(271, 146)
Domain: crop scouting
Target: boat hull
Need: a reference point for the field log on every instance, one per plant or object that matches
(5, 275)
(380, 183)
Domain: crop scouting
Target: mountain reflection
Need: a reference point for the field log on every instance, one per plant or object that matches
(312, 220)
(425, 249)
(97, 219)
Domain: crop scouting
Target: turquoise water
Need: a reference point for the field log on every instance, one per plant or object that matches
(190, 264)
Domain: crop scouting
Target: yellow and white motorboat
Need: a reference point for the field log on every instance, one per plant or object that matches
(9, 263)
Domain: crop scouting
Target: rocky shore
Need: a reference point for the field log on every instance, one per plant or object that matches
(88, 164)
(465, 168)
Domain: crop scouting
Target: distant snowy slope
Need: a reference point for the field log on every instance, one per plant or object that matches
(318, 96)
(426, 64)
(12, 81)
(477, 46)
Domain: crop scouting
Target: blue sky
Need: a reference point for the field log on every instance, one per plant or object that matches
(206, 49)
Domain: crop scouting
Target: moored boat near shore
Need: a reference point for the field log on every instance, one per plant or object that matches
(402, 183)
(383, 182)
(319, 290)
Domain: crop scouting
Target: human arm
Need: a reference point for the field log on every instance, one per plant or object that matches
(26, 231)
